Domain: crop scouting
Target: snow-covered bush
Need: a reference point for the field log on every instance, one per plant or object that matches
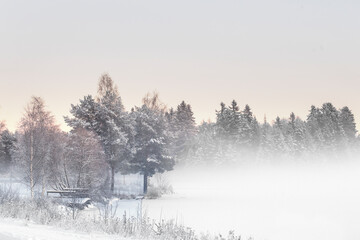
(48, 212)
(159, 186)
(8, 195)
(153, 192)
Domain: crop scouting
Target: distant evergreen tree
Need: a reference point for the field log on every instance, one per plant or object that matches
(314, 125)
(278, 124)
(280, 145)
(7, 146)
(330, 127)
(170, 116)
(247, 114)
(184, 130)
(296, 136)
(292, 121)
(234, 121)
(347, 122)
(223, 122)
(205, 144)
(302, 137)
(255, 134)
(222, 130)
(290, 133)
(248, 128)
(227, 131)
(265, 148)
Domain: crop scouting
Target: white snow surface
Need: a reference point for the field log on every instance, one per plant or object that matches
(11, 229)
(297, 202)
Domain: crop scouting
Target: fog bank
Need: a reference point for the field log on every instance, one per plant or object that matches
(302, 201)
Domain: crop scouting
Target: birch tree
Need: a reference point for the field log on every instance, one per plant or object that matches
(84, 163)
(35, 132)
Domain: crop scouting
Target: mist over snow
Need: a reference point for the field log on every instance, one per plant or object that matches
(289, 201)
(184, 120)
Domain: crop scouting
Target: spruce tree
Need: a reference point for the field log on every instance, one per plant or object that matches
(330, 127)
(314, 124)
(347, 122)
(7, 146)
(184, 129)
(247, 129)
(206, 147)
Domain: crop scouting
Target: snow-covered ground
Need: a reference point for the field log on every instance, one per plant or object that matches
(272, 203)
(11, 229)
(307, 202)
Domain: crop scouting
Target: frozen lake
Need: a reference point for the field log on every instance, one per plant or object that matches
(273, 203)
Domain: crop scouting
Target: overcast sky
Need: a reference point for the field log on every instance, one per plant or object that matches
(276, 56)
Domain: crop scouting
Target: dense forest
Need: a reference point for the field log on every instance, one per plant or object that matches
(106, 139)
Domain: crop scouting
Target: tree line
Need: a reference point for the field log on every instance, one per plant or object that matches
(105, 139)
(327, 134)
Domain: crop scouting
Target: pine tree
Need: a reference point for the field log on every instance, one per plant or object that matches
(108, 120)
(152, 153)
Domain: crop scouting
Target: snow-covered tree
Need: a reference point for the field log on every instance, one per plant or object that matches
(7, 146)
(249, 130)
(265, 144)
(183, 128)
(314, 126)
(227, 133)
(330, 123)
(108, 120)
(152, 153)
(222, 122)
(280, 148)
(296, 136)
(34, 142)
(347, 122)
(84, 163)
(228, 122)
(206, 148)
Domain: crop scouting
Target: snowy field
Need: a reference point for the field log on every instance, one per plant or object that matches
(272, 203)
(11, 229)
(307, 202)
